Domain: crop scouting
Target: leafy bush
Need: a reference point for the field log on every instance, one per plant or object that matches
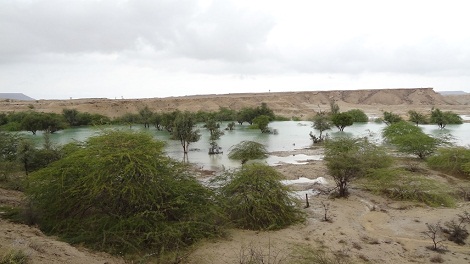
(455, 160)
(247, 150)
(254, 198)
(349, 158)
(358, 115)
(443, 118)
(120, 193)
(399, 184)
(410, 139)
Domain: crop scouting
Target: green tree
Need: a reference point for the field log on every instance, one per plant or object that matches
(342, 120)
(247, 150)
(230, 126)
(254, 198)
(226, 114)
(321, 122)
(358, 115)
(410, 139)
(266, 111)
(262, 122)
(183, 130)
(145, 115)
(129, 118)
(157, 120)
(168, 119)
(349, 158)
(214, 129)
(32, 122)
(71, 116)
(26, 152)
(3, 119)
(417, 118)
(8, 154)
(52, 122)
(120, 193)
(246, 115)
(8, 146)
(390, 118)
(443, 118)
(215, 134)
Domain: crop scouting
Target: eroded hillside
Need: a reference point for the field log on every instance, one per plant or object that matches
(300, 104)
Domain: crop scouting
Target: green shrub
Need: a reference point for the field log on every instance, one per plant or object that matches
(247, 150)
(350, 158)
(454, 160)
(399, 184)
(358, 115)
(254, 198)
(121, 193)
(408, 138)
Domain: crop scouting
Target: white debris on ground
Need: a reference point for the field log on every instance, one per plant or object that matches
(299, 159)
(303, 180)
(304, 186)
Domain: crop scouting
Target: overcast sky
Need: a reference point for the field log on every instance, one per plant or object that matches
(158, 48)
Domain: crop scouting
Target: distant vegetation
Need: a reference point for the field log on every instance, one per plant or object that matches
(323, 121)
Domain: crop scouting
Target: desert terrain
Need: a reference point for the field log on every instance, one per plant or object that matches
(365, 228)
(288, 104)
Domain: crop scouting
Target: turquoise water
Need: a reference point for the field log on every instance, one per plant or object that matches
(291, 135)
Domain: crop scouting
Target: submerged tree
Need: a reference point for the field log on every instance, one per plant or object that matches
(390, 118)
(342, 120)
(443, 118)
(262, 122)
(183, 130)
(410, 139)
(145, 115)
(248, 150)
(321, 122)
(417, 118)
(215, 134)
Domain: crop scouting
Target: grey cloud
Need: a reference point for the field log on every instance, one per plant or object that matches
(178, 27)
(429, 56)
(224, 32)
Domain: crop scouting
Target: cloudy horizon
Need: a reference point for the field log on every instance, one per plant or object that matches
(54, 49)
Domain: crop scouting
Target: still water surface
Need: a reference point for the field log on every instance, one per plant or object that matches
(291, 135)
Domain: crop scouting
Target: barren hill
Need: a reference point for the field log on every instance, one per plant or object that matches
(288, 104)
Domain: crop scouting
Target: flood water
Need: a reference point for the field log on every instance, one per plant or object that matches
(291, 135)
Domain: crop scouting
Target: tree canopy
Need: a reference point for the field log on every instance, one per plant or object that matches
(442, 119)
(247, 150)
(183, 130)
(120, 193)
(262, 122)
(349, 158)
(342, 120)
(321, 122)
(410, 139)
(390, 118)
